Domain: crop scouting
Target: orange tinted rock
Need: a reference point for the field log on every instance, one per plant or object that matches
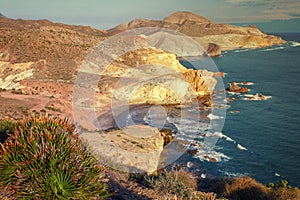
(233, 87)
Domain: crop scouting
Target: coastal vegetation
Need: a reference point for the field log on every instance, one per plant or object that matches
(43, 158)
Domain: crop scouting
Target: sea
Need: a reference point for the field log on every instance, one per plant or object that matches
(243, 137)
(260, 139)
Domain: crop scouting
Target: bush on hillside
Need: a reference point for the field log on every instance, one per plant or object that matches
(180, 183)
(246, 188)
(44, 159)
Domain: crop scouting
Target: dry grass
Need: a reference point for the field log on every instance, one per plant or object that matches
(285, 194)
(179, 183)
(204, 196)
(246, 188)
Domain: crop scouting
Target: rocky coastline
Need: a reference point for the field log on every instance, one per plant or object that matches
(39, 62)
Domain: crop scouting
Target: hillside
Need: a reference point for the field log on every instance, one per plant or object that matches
(206, 32)
(39, 57)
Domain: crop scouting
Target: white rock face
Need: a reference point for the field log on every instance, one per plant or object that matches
(132, 149)
(12, 74)
(176, 43)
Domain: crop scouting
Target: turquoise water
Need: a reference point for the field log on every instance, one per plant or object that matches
(270, 130)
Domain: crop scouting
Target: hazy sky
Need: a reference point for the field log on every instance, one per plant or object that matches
(274, 15)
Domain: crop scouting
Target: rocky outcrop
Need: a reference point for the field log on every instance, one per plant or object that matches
(144, 76)
(132, 149)
(156, 77)
(213, 50)
(233, 87)
(12, 74)
(202, 81)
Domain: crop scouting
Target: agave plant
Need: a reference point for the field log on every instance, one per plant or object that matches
(44, 159)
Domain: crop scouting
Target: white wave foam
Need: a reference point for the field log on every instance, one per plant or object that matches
(273, 49)
(203, 176)
(203, 155)
(295, 44)
(256, 97)
(227, 138)
(241, 50)
(276, 174)
(189, 164)
(221, 135)
(240, 147)
(233, 93)
(245, 83)
(232, 174)
(206, 153)
(212, 117)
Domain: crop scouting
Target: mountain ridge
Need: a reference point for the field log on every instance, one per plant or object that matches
(206, 32)
(39, 57)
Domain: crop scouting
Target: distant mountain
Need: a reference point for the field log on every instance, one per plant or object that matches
(32, 40)
(62, 46)
(212, 36)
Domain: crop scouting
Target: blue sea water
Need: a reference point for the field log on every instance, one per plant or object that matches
(270, 130)
(262, 139)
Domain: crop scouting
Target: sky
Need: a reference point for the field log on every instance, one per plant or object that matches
(269, 15)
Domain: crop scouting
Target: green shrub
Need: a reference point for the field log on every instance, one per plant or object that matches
(44, 159)
(179, 183)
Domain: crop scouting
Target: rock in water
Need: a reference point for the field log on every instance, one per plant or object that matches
(213, 49)
(233, 87)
